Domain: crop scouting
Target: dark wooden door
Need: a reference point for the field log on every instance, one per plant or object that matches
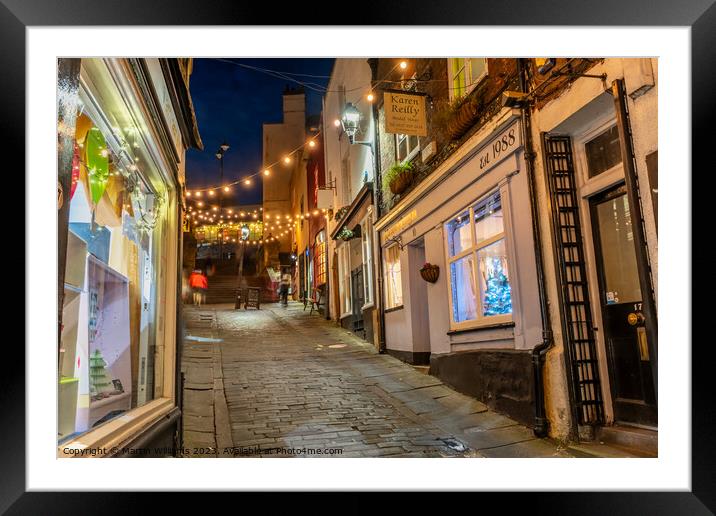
(621, 305)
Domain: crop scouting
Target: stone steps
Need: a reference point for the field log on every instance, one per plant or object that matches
(639, 440)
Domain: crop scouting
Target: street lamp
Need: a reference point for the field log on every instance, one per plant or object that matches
(350, 120)
(220, 156)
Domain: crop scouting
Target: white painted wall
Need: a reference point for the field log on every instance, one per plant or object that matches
(354, 77)
(570, 113)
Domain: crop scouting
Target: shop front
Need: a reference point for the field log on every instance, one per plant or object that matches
(353, 235)
(117, 351)
(459, 275)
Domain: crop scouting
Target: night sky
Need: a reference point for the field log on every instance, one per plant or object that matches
(231, 104)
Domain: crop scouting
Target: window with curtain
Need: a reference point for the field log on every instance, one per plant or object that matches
(393, 283)
(344, 279)
(367, 249)
(477, 259)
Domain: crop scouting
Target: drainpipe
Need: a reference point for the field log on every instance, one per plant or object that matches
(378, 265)
(541, 424)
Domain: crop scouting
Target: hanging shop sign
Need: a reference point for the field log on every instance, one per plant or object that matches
(405, 113)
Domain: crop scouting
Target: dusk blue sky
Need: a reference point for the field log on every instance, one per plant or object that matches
(232, 103)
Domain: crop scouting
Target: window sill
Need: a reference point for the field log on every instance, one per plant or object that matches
(394, 309)
(118, 430)
(487, 326)
(367, 306)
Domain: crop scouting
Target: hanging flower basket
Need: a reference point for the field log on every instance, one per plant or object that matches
(345, 234)
(463, 119)
(430, 272)
(401, 182)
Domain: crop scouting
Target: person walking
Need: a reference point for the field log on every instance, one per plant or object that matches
(199, 285)
(285, 282)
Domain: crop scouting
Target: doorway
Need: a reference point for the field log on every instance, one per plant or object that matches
(620, 300)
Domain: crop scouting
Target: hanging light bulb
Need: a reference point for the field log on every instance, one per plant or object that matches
(311, 143)
(287, 159)
(197, 194)
(211, 192)
(247, 181)
(188, 193)
(267, 172)
(226, 188)
(369, 97)
(403, 65)
(337, 122)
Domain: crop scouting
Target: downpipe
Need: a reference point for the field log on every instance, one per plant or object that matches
(539, 352)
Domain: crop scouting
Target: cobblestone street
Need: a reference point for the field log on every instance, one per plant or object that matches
(278, 382)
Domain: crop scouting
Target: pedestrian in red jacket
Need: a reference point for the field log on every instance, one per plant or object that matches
(199, 285)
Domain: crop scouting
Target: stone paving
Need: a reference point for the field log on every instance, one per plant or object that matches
(278, 382)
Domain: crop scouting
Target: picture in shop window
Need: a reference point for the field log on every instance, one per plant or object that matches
(479, 273)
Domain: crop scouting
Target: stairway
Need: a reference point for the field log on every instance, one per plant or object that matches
(222, 288)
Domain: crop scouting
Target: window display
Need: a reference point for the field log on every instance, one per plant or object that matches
(479, 277)
(108, 308)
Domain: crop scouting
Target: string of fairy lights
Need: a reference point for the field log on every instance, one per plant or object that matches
(207, 214)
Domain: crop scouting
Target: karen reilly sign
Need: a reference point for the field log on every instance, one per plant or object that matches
(405, 113)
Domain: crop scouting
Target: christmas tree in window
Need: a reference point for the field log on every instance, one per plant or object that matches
(99, 381)
(498, 295)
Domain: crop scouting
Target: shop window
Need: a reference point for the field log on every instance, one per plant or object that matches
(603, 152)
(106, 354)
(367, 249)
(465, 73)
(393, 282)
(319, 257)
(344, 279)
(479, 275)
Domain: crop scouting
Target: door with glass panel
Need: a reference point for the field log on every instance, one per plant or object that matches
(621, 300)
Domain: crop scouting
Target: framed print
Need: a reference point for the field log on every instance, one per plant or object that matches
(447, 259)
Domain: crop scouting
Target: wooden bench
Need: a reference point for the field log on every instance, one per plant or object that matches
(316, 300)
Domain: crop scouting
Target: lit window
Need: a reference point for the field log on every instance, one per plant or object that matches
(393, 283)
(465, 73)
(367, 248)
(344, 279)
(477, 259)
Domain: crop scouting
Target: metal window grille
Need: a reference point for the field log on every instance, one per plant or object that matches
(574, 290)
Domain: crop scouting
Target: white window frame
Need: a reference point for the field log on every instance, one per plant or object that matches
(387, 274)
(480, 320)
(411, 152)
(344, 280)
(467, 71)
(366, 231)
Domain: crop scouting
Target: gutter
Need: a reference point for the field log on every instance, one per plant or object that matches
(539, 352)
(377, 264)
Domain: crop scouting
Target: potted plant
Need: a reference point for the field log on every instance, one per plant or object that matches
(398, 177)
(430, 272)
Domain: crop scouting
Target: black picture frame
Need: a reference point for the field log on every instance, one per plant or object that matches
(699, 15)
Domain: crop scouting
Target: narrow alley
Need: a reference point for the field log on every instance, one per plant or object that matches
(280, 382)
